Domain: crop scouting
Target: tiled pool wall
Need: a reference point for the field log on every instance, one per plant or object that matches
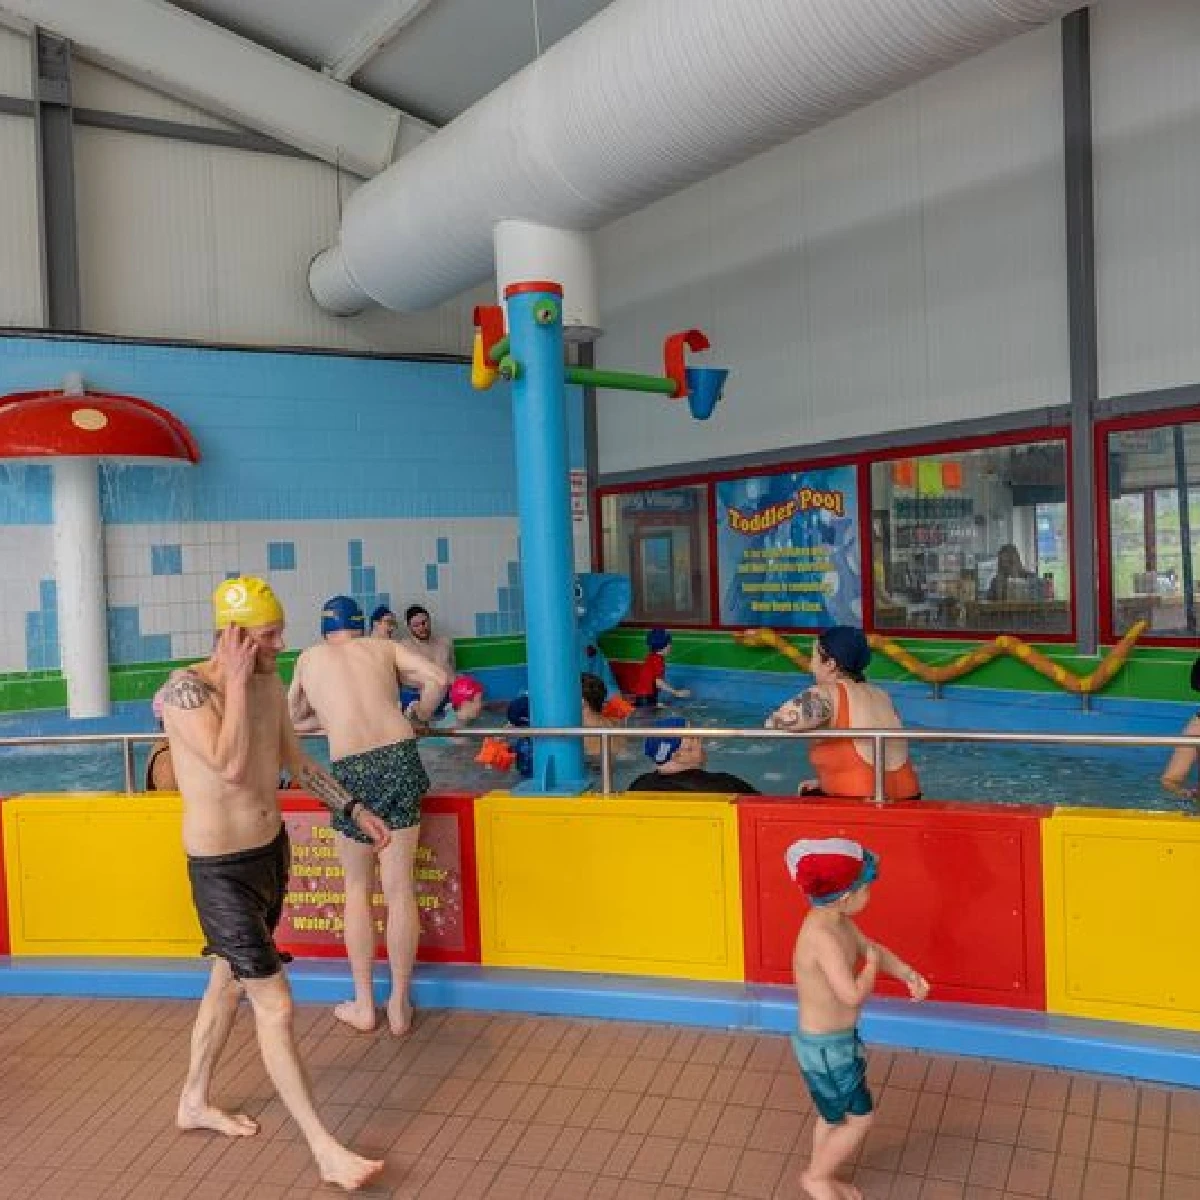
(392, 481)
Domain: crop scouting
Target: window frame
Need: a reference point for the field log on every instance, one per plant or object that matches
(1158, 418)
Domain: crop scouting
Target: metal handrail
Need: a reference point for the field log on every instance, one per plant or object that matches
(607, 734)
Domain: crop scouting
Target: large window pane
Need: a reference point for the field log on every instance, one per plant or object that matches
(659, 538)
(1154, 522)
(977, 540)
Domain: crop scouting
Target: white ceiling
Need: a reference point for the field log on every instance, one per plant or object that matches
(451, 54)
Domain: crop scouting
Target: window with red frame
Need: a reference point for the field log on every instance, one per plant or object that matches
(659, 538)
(973, 540)
(1153, 496)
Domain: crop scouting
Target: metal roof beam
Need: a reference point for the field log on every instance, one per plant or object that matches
(372, 36)
(173, 51)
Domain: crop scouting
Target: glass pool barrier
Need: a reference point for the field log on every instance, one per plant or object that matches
(127, 741)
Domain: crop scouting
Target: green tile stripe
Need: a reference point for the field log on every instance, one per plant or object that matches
(139, 681)
(1152, 672)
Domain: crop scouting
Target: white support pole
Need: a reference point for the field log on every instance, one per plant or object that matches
(528, 250)
(82, 601)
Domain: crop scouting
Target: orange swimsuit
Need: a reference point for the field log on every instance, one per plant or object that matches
(842, 771)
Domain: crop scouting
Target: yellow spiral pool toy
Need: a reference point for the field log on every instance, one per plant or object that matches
(1006, 643)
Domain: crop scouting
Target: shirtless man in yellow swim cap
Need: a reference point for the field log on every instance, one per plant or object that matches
(229, 732)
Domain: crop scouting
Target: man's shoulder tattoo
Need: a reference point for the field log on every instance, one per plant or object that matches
(186, 691)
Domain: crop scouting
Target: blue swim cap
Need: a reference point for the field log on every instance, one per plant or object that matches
(662, 749)
(341, 612)
(518, 711)
(847, 646)
(657, 639)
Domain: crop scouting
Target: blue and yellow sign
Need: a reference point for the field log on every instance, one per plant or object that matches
(788, 549)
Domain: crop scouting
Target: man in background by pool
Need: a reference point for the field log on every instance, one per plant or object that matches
(229, 732)
(422, 640)
(347, 687)
(679, 766)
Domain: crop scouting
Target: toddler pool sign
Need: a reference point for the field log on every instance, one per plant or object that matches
(788, 549)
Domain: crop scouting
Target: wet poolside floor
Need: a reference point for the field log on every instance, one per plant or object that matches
(509, 1107)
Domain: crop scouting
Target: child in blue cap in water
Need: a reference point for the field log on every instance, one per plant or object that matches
(679, 761)
(652, 674)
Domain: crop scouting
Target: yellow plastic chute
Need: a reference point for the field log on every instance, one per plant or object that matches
(482, 376)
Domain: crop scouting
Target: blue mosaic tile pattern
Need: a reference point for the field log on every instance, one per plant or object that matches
(127, 643)
(509, 616)
(364, 586)
(166, 560)
(41, 630)
(281, 556)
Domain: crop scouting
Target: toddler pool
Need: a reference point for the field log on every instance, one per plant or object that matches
(1005, 774)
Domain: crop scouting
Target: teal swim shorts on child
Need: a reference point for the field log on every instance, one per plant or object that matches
(389, 781)
(834, 1066)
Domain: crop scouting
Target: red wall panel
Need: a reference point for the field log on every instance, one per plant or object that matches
(959, 894)
(447, 882)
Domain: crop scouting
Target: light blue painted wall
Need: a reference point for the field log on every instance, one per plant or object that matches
(287, 436)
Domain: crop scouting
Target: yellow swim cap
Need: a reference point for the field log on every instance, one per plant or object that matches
(245, 601)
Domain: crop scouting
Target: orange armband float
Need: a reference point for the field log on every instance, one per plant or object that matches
(496, 755)
(616, 708)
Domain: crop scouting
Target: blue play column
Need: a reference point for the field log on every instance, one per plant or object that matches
(544, 508)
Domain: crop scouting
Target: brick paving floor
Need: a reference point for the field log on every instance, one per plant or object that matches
(476, 1105)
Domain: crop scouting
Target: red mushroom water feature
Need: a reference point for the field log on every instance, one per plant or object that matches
(73, 430)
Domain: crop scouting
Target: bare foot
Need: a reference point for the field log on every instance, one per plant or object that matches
(205, 1116)
(400, 1016)
(345, 1169)
(357, 1016)
(820, 1189)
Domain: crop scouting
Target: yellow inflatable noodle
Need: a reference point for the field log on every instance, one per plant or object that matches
(1006, 643)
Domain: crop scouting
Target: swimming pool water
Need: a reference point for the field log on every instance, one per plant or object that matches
(1005, 774)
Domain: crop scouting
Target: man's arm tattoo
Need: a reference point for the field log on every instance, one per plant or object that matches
(326, 789)
(186, 691)
(815, 707)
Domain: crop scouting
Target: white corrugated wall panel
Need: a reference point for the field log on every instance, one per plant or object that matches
(900, 267)
(93, 86)
(1146, 113)
(16, 65)
(20, 247)
(181, 240)
(146, 240)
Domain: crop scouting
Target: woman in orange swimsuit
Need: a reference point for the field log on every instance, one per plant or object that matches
(840, 698)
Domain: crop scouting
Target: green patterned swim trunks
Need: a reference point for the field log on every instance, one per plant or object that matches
(389, 780)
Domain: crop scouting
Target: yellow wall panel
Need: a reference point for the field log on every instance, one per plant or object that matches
(1122, 890)
(649, 886)
(98, 874)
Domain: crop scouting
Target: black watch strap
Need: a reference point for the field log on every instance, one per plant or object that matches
(348, 811)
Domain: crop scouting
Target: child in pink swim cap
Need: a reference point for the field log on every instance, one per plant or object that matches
(466, 698)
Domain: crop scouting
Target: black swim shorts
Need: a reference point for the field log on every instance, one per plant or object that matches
(239, 900)
(389, 781)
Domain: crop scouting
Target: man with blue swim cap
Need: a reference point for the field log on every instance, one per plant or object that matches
(679, 765)
(346, 686)
(341, 613)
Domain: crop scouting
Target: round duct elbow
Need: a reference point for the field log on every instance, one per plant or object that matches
(333, 287)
